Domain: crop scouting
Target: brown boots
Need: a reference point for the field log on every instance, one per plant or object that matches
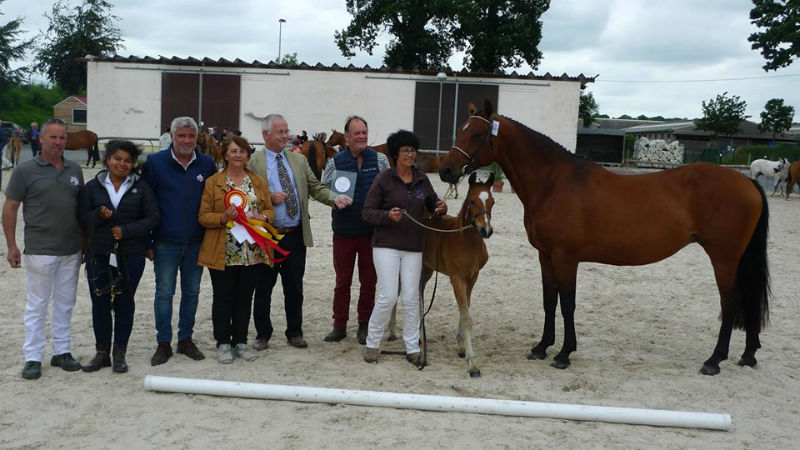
(101, 359)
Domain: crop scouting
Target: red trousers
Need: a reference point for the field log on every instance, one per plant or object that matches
(345, 250)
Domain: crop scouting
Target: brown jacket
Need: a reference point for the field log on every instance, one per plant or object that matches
(212, 205)
(388, 191)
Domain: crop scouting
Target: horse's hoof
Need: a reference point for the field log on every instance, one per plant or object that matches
(561, 365)
(534, 354)
(749, 361)
(709, 369)
(475, 373)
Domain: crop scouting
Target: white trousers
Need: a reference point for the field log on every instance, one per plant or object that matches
(49, 277)
(392, 266)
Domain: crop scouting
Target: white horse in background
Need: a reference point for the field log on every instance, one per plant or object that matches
(778, 171)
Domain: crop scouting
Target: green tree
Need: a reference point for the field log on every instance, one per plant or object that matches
(11, 49)
(421, 30)
(587, 109)
(289, 59)
(74, 33)
(779, 34)
(722, 115)
(499, 34)
(776, 117)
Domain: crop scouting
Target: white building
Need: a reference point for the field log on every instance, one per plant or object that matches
(135, 97)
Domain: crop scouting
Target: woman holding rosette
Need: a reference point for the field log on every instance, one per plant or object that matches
(235, 209)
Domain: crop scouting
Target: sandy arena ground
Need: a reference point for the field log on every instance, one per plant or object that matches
(643, 333)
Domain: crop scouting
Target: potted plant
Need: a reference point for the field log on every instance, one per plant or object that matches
(499, 176)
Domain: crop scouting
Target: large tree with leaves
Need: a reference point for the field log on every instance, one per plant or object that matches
(722, 115)
(75, 32)
(778, 37)
(494, 34)
(421, 31)
(498, 34)
(587, 109)
(776, 117)
(11, 49)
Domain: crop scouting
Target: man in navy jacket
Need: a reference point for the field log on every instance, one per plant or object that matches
(177, 176)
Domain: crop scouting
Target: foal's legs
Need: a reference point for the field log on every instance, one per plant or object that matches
(464, 335)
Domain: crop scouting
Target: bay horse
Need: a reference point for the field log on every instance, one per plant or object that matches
(14, 149)
(576, 211)
(78, 140)
(337, 138)
(794, 177)
(209, 146)
(459, 252)
(317, 152)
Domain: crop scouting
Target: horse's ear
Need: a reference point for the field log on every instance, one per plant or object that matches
(471, 109)
(473, 177)
(488, 110)
(490, 182)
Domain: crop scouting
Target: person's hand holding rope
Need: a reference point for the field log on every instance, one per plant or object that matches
(116, 232)
(395, 214)
(105, 213)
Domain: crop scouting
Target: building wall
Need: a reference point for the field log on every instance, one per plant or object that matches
(127, 103)
(64, 110)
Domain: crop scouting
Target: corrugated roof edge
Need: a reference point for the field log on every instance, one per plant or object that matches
(256, 64)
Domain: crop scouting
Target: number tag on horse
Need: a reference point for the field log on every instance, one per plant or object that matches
(495, 127)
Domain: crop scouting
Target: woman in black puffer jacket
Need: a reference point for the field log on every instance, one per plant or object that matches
(118, 210)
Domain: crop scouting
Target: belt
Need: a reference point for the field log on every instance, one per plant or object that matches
(286, 230)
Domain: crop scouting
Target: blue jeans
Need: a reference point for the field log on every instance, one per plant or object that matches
(171, 257)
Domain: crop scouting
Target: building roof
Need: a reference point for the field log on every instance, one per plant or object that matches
(747, 129)
(222, 62)
(80, 98)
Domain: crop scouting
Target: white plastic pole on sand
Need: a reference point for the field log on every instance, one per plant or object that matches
(636, 416)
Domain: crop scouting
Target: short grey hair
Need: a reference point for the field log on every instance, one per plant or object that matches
(266, 124)
(183, 122)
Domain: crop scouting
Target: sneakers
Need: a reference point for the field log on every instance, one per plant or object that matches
(101, 359)
(297, 341)
(32, 370)
(244, 352)
(163, 354)
(371, 355)
(224, 354)
(261, 344)
(66, 362)
(336, 335)
(363, 328)
(188, 348)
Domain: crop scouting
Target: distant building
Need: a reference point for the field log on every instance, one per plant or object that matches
(694, 139)
(72, 110)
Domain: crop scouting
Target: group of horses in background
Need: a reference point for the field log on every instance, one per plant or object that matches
(782, 172)
(77, 140)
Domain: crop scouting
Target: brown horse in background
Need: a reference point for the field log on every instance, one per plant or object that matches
(209, 146)
(794, 177)
(14, 149)
(337, 138)
(79, 140)
(576, 210)
(317, 152)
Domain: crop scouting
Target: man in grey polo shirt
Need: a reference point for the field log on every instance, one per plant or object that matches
(47, 187)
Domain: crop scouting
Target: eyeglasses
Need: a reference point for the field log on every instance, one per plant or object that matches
(408, 151)
(280, 132)
(52, 121)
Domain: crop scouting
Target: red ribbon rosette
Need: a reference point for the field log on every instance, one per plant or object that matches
(264, 234)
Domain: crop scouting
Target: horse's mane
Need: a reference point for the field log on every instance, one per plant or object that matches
(544, 139)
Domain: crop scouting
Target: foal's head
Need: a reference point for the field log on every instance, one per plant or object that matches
(477, 208)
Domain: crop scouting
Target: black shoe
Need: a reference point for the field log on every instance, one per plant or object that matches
(336, 335)
(120, 366)
(32, 370)
(188, 348)
(362, 333)
(66, 362)
(100, 360)
(163, 354)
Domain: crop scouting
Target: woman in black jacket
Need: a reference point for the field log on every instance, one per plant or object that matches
(119, 211)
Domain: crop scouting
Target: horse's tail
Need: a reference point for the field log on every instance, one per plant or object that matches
(752, 280)
(312, 160)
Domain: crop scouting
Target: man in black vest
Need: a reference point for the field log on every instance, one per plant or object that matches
(352, 236)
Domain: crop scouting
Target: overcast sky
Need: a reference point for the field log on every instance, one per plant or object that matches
(653, 57)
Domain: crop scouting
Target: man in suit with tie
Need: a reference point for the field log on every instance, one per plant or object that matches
(291, 182)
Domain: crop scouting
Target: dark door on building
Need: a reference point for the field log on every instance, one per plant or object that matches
(221, 96)
(429, 125)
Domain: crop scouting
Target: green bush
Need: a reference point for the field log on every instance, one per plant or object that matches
(745, 154)
(29, 103)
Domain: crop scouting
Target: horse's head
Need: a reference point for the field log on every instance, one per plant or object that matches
(472, 147)
(478, 205)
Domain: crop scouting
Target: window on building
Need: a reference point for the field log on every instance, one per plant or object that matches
(79, 116)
